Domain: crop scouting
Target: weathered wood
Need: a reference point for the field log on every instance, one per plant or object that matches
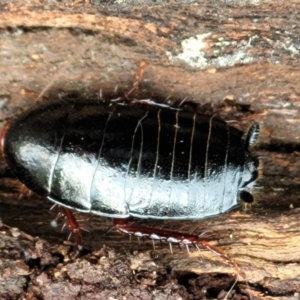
(239, 52)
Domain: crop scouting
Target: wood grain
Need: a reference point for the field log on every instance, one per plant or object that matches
(246, 54)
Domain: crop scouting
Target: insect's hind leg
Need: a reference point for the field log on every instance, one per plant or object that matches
(138, 77)
(172, 237)
(127, 226)
(71, 223)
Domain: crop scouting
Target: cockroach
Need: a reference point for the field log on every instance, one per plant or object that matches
(123, 160)
(118, 161)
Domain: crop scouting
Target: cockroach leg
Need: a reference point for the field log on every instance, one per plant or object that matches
(247, 117)
(138, 77)
(23, 191)
(223, 256)
(2, 138)
(172, 237)
(184, 99)
(72, 224)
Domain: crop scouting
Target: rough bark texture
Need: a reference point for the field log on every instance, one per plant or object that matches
(217, 52)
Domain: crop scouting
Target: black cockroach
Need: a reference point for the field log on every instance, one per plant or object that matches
(118, 161)
(122, 160)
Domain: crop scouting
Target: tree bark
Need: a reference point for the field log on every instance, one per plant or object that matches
(229, 54)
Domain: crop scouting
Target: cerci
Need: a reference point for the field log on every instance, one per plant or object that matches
(120, 160)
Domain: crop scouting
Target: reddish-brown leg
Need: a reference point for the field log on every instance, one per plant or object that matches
(138, 77)
(23, 191)
(72, 224)
(2, 137)
(172, 237)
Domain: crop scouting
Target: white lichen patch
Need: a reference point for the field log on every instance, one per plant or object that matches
(193, 53)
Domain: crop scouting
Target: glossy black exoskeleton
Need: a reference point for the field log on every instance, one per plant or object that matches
(121, 160)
